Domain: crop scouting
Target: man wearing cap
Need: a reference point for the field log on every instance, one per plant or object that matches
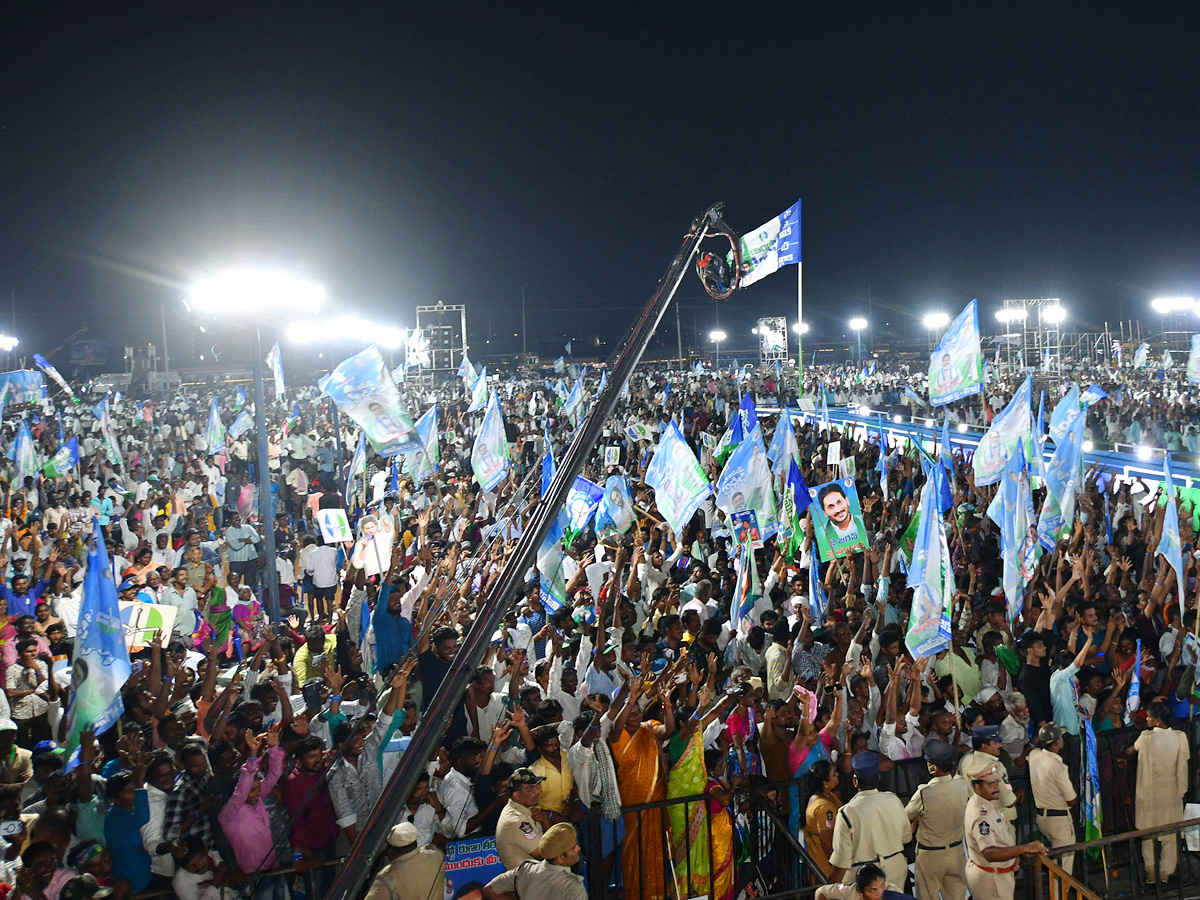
(413, 873)
(985, 741)
(16, 763)
(992, 853)
(872, 827)
(937, 809)
(1053, 792)
(519, 828)
(549, 878)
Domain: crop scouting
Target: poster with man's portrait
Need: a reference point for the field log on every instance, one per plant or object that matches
(837, 519)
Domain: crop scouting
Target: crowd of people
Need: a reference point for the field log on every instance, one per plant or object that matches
(249, 746)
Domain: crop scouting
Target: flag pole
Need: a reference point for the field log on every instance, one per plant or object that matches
(799, 329)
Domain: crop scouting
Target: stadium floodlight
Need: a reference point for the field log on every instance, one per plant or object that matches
(8, 343)
(247, 293)
(716, 336)
(348, 328)
(858, 323)
(1054, 314)
(1165, 306)
(800, 327)
(936, 320)
(1010, 315)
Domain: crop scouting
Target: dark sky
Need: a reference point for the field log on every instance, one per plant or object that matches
(403, 153)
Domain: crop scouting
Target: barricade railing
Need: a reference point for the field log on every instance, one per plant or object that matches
(283, 870)
(1060, 885)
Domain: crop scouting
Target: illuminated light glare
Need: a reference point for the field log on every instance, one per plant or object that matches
(929, 423)
(247, 292)
(345, 328)
(864, 411)
(1054, 314)
(898, 420)
(800, 327)
(936, 320)
(717, 336)
(754, 330)
(1011, 315)
(1166, 305)
(8, 342)
(1143, 452)
(858, 323)
(962, 427)
(1088, 446)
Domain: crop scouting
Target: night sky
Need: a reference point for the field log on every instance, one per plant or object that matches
(405, 153)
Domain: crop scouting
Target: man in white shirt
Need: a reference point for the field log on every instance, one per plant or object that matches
(181, 596)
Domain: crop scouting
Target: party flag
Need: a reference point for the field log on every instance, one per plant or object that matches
(46, 367)
(956, 366)
(214, 433)
(489, 455)
(796, 500)
(771, 246)
(62, 462)
(275, 361)
(548, 465)
(931, 577)
(1169, 546)
(101, 665)
(582, 500)
(746, 590)
(999, 441)
(615, 514)
(479, 391)
(677, 478)
(358, 465)
(23, 453)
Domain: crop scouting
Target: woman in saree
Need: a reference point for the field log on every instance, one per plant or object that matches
(697, 871)
(641, 778)
(813, 743)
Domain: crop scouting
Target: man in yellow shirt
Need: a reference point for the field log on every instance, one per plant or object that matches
(558, 784)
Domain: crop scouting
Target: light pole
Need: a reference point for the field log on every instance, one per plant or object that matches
(716, 336)
(524, 349)
(935, 321)
(858, 323)
(1055, 316)
(255, 296)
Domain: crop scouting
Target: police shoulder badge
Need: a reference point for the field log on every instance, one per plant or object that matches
(985, 828)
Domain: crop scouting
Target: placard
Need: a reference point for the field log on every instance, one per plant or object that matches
(837, 517)
(470, 864)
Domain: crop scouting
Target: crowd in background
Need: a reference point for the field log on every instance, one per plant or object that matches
(247, 745)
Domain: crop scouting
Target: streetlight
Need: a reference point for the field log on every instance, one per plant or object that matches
(8, 344)
(254, 296)
(800, 327)
(716, 337)
(935, 321)
(858, 323)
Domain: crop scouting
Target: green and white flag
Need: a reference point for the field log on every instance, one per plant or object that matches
(479, 391)
(678, 481)
(214, 434)
(23, 453)
(62, 462)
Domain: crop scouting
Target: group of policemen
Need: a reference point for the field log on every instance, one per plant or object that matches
(976, 807)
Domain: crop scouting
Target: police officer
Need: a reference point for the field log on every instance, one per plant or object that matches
(992, 854)
(985, 743)
(1162, 779)
(872, 827)
(936, 809)
(1053, 792)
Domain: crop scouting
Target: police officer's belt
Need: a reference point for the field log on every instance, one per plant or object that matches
(996, 871)
(878, 858)
(1052, 812)
(921, 846)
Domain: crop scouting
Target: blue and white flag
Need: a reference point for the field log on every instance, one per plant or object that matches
(243, 423)
(910, 394)
(1093, 809)
(931, 577)
(1000, 440)
(551, 578)
(422, 463)
(111, 448)
(770, 247)
(214, 432)
(603, 383)
(574, 400)
(582, 500)
(567, 347)
(1063, 475)
(358, 466)
(784, 449)
(62, 462)
(956, 366)
(46, 367)
(749, 412)
(615, 513)
(1094, 394)
(275, 361)
(677, 478)
(818, 603)
(745, 484)
(362, 387)
(23, 453)
(1134, 701)
(489, 455)
(240, 403)
(101, 665)
(1193, 361)
(1039, 437)
(1140, 356)
(548, 464)
(479, 391)
(1020, 548)
(559, 365)
(746, 590)
(466, 371)
(1169, 546)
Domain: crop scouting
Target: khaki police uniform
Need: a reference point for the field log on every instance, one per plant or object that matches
(872, 828)
(517, 834)
(978, 759)
(1161, 783)
(1053, 794)
(938, 806)
(984, 826)
(847, 891)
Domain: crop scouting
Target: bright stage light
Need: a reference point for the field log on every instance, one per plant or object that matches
(250, 292)
(1164, 306)
(935, 320)
(1008, 316)
(1054, 314)
(800, 327)
(858, 323)
(8, 343)
(717, 336)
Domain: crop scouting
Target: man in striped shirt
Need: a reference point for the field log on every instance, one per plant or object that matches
(243, 549)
